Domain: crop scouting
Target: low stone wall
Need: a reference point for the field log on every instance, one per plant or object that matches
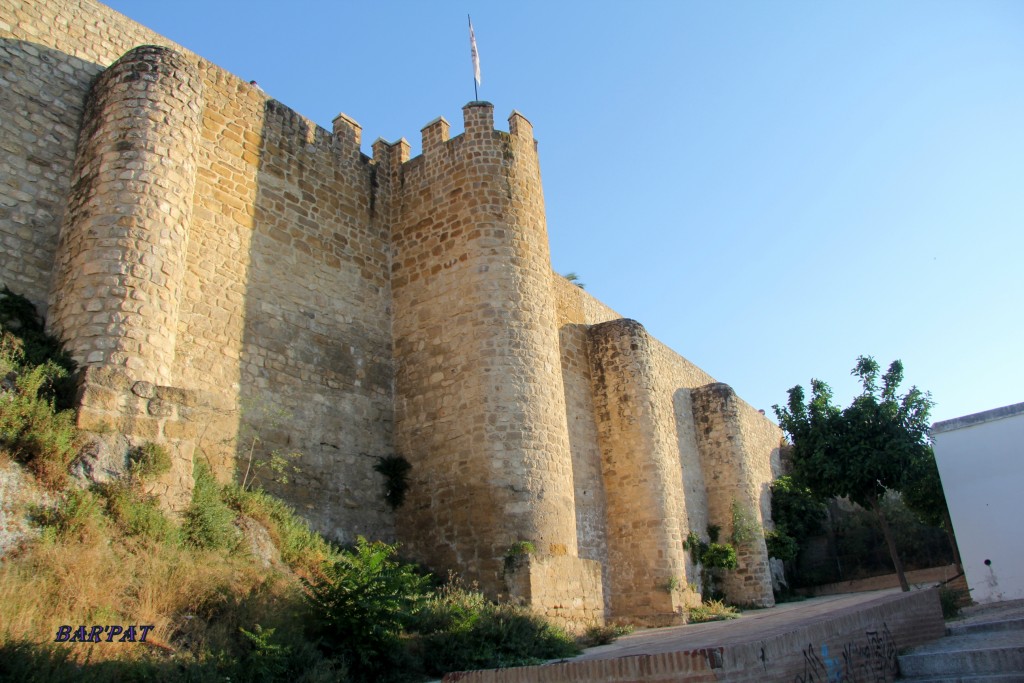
(874, 583)
(181, 420)
(856, 644)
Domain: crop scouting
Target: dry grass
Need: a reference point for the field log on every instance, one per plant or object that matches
(196, 600)
(712, 610)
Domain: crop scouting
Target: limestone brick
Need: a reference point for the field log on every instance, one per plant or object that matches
(642, 473)
(574, 320)
(480, 408)
(121, 257)
(735, 482)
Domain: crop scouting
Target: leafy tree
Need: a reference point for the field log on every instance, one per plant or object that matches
(923, 494)
(798, 514)
(876, 444)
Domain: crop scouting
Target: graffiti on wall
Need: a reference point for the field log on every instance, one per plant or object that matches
(871, 660)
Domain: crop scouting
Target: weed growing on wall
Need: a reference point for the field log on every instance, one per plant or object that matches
(517, 553)
(713, 557)
(264, 465)
(395, 470)
(208, 521)
(149, 461)
(744, 524)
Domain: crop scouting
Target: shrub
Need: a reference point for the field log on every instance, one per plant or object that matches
(149, 461)
(951, 600)
(77, 516)
(45, 440)
(460, 629)
(299, 546)
(137, 514)
(719, 556)
(712, 610)
(208, 522)
(712, 556)
(781, 545)
(265, 660)
(798, 514)
(362, 603)
(21, 323)
(603, 635)
(26, 661)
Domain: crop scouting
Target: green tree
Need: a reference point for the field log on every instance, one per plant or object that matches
(876, 444)
(798, 514)
(923, 495)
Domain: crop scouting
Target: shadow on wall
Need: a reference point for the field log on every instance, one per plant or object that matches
(315, 364)
(694, 487)
(39, 127)
(590, 501)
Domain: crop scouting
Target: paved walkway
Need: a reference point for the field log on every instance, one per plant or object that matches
(752, 625)
(855, 635)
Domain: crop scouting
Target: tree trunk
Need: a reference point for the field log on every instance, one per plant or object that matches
(948, 523)
(876, 503)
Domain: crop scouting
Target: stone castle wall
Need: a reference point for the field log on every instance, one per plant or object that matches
(577, 311)
(238, 281)
(50, 53)
(650, 402)
(283, 300)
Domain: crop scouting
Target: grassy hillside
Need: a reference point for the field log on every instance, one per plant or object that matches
(238, 589)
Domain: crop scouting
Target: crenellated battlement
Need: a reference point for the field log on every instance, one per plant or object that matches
(478, 124)
(348, 135)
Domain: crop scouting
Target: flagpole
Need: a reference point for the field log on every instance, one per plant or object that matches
(472, 40)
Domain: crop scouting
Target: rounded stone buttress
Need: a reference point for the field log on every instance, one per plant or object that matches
(121, 256)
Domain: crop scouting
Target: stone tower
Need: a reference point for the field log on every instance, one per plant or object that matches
(121, 256)
(480, 412)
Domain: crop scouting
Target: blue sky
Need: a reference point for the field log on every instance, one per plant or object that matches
(771, 188)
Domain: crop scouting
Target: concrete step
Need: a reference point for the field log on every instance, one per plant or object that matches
(1014, 624)
(987, 652)
(968, 678)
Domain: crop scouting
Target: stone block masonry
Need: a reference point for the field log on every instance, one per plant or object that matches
(642, 476)
(235, 279)
(121, 257)
(481, 412)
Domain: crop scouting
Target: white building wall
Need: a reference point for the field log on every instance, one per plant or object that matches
(981, 462)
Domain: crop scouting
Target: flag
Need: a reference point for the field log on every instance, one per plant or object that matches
(473, 51)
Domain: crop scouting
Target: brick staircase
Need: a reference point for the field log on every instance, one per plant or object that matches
(987, 646)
